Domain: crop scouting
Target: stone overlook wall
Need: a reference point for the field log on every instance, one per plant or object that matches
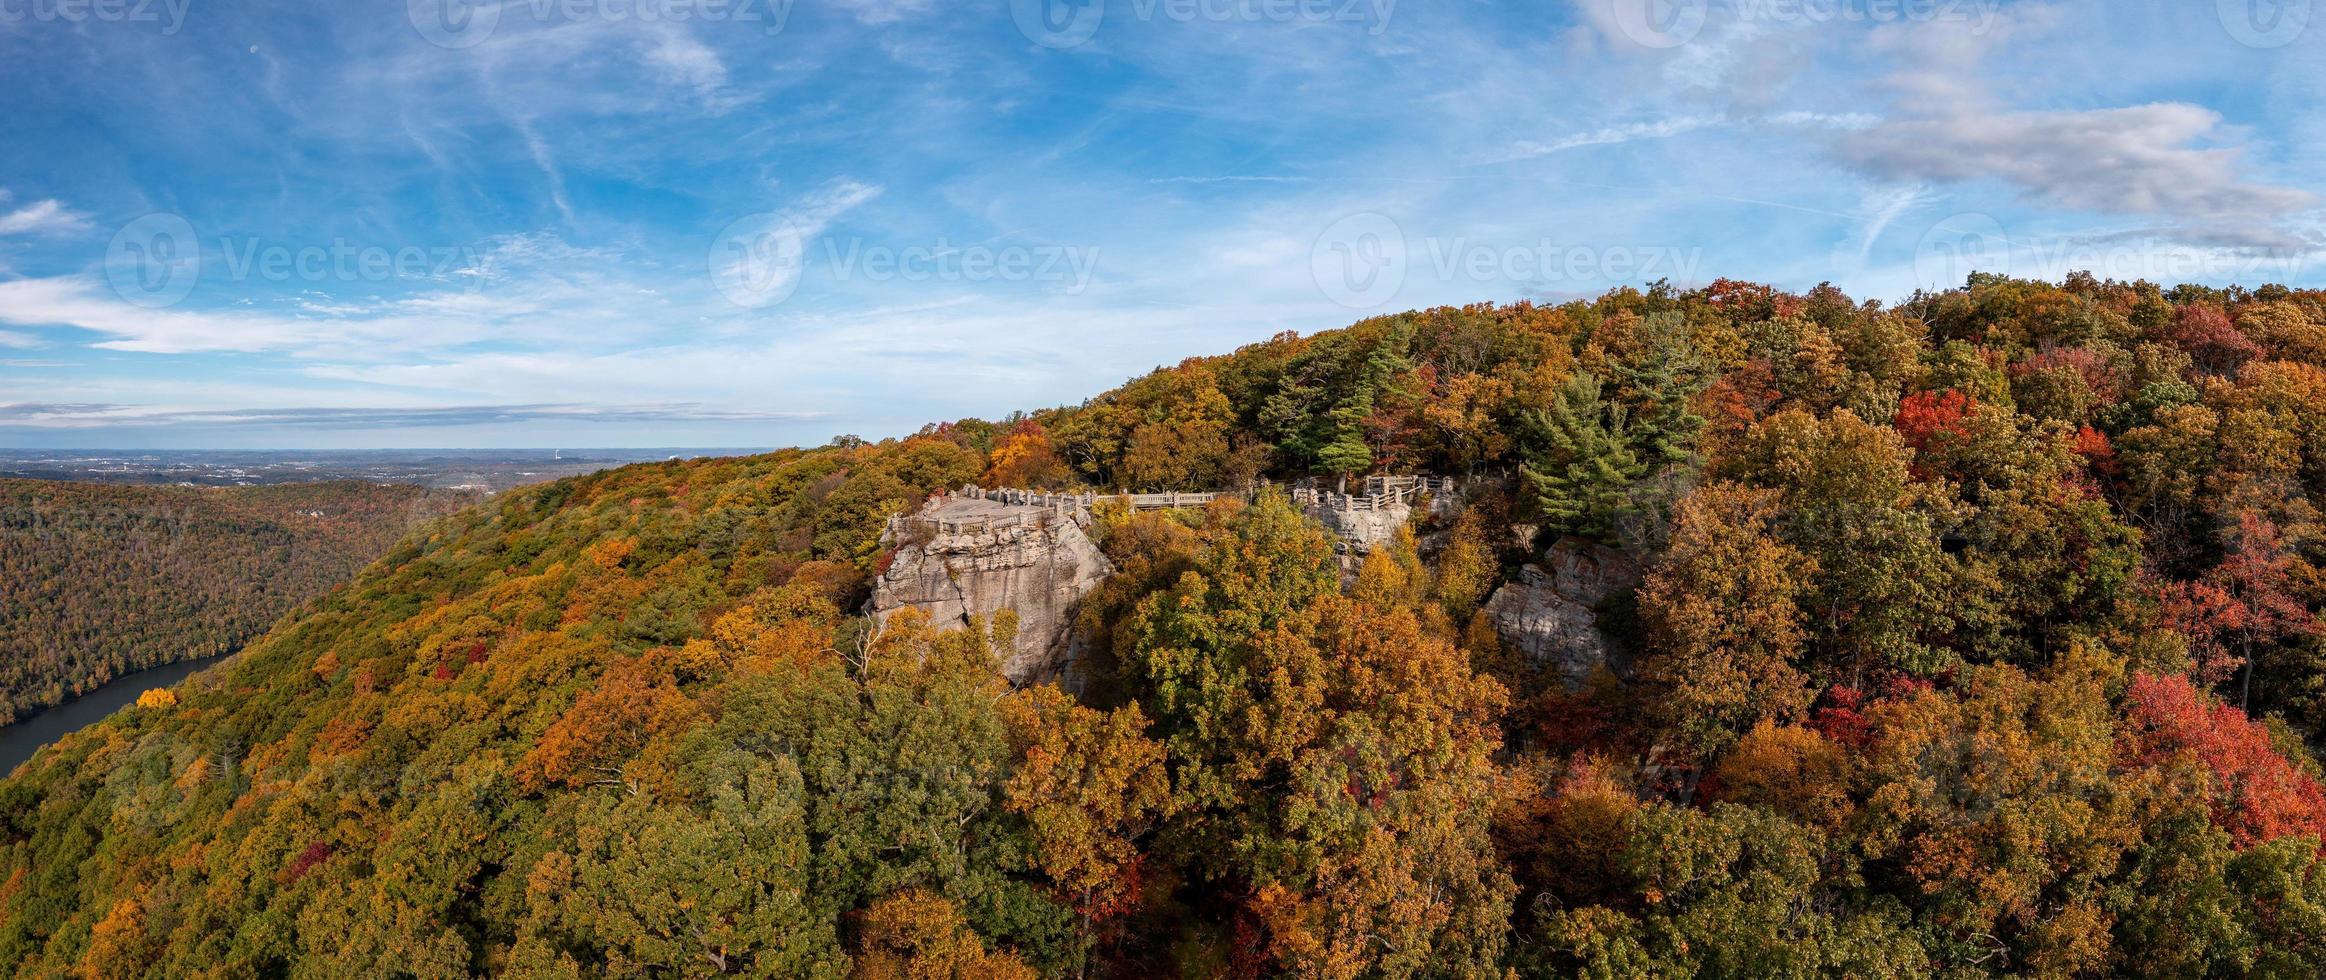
(1363, 521)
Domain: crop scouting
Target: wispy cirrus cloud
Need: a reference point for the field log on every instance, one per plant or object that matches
(530, 289)
(762, 256)
(45, 217)
(84, 303)
(1659, 129)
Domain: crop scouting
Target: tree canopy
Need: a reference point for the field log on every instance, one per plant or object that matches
(1977, 635)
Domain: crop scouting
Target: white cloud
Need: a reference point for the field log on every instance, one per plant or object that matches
(1935, 65)
(527, 290)
(1881, 207)
(678, 57)
(2140, 159)
(963, 355)
(539, 148)
(1679, 126)
(1610, 135)
(818, 210)
(2169, 159)
(80, 302)
(773, 276)
(42, 218)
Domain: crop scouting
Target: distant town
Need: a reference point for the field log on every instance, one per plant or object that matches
(488, 470)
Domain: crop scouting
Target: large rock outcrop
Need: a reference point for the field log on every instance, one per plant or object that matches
(1358, 527)
(963, 558)
(1552, 613)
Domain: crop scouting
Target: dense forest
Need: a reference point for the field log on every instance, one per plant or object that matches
(97, 581)
(1978, 635)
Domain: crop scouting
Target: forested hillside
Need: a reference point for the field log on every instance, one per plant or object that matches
(1978, 635)
(97, 580)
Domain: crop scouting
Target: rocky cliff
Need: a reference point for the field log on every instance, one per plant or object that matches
(975, 558)
(1551, 612)
(1358, 528)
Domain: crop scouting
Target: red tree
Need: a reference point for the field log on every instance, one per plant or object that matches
(1932, 422)
(2256, 795)
(2246, 602)
(2212, 341)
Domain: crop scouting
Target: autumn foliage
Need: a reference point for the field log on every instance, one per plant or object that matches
(1976, 635)
(2253, 791)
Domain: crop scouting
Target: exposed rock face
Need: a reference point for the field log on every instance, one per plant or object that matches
(955, 562)
(1356, 532)
(1552, 614)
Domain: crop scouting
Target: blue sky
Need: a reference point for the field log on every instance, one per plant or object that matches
(695, 223)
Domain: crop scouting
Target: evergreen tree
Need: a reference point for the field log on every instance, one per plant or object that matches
(1579, 478)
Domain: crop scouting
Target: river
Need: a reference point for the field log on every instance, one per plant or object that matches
(19, 741)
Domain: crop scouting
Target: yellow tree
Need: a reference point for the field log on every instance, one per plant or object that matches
(1328, 754)
(1090, 784)
(918, 935)
(1024, 457)
(1723, 619)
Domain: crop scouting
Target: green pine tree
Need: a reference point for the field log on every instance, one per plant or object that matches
(1587, 462)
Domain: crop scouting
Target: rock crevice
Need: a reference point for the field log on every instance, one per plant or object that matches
(1551, 611)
